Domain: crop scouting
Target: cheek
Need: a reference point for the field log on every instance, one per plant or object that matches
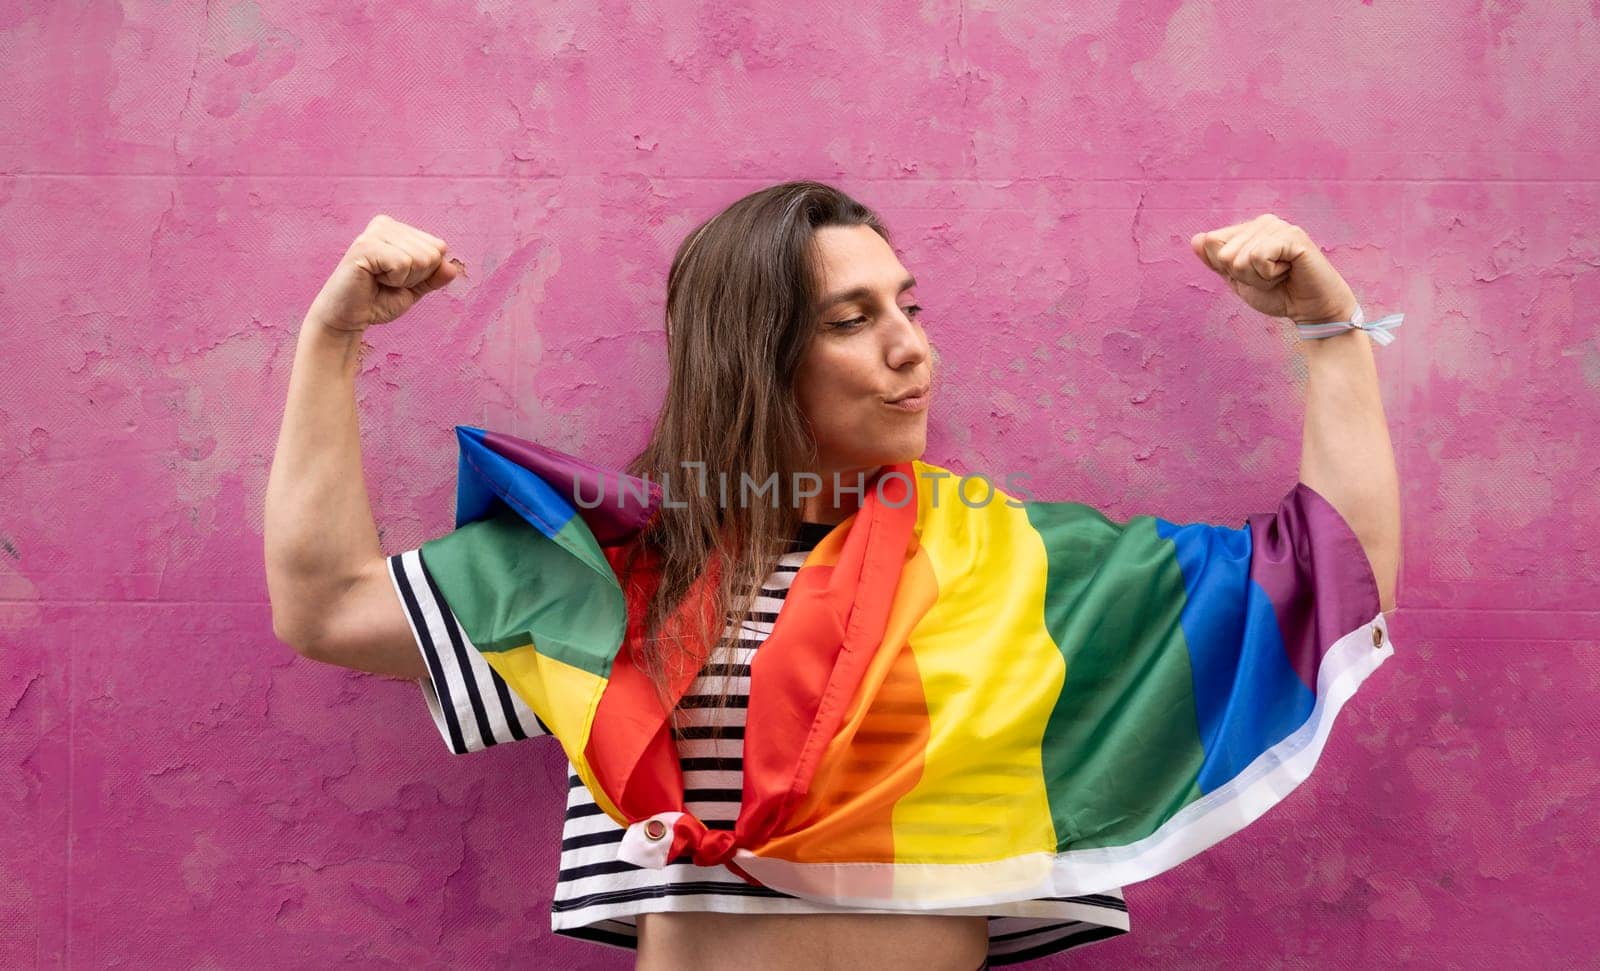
(828, 388)
(825, 408)
(807, 393)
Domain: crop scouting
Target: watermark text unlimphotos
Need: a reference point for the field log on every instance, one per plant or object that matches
(805, 485)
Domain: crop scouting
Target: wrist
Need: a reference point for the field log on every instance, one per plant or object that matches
(1345, 313)
(1335, 345)
(323, 328)
(1324, 330)
(321, 339)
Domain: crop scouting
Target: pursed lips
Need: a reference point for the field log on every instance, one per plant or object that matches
(917, 392)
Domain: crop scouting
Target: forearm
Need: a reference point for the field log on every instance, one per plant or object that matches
(319, 530)
(1346, 455)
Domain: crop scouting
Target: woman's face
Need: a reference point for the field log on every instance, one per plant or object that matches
(868, 350)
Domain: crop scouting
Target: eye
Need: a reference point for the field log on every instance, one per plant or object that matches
(911, 310)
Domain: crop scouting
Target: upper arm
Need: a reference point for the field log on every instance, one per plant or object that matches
(392, 620)
(367, 628)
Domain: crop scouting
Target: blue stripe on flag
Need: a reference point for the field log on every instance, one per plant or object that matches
(1247, 695)
(484, 475)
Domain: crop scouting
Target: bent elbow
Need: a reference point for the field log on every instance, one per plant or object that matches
(297, 635)
(1384, 559)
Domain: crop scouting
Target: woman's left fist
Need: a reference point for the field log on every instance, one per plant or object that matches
(1275, 268)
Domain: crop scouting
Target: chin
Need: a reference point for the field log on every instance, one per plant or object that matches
(903, 451)
(882, 447)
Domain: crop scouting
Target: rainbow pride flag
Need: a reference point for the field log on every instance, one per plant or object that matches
(959, 704)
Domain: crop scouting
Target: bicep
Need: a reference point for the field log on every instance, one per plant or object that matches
(394, 621)
(366, 629)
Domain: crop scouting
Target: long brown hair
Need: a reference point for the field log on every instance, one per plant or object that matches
(742, 304)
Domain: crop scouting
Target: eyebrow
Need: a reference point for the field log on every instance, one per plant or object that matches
(861, 293)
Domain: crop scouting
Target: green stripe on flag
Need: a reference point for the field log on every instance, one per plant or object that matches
(510, 585)
(1121, 751)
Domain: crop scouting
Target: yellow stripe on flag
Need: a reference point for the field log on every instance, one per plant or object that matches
(565, 698)
(989, 697)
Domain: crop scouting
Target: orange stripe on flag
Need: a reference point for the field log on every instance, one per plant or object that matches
(877, 757)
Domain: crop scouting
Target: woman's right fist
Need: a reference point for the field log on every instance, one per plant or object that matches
(386, 270)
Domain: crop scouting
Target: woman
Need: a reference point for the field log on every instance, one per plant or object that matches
(794, 347)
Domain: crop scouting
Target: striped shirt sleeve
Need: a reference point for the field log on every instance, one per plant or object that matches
(471, 704)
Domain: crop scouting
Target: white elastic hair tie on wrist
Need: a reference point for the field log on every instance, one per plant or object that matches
(1381, 331)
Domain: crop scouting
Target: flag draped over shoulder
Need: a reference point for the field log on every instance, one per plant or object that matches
(958, 704)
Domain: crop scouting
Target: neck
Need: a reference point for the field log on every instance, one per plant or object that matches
(834, 507)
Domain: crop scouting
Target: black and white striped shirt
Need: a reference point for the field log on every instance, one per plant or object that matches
(598, 897)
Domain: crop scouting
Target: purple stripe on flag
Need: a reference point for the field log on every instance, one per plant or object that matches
(1311, 565)
(620, 513)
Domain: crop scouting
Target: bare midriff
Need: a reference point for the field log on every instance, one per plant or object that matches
(707, 941)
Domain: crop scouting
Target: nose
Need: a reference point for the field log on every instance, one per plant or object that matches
(907, 344)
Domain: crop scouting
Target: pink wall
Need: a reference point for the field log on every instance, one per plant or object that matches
(178, 181)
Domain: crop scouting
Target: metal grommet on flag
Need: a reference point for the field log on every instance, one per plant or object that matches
(648, 842)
